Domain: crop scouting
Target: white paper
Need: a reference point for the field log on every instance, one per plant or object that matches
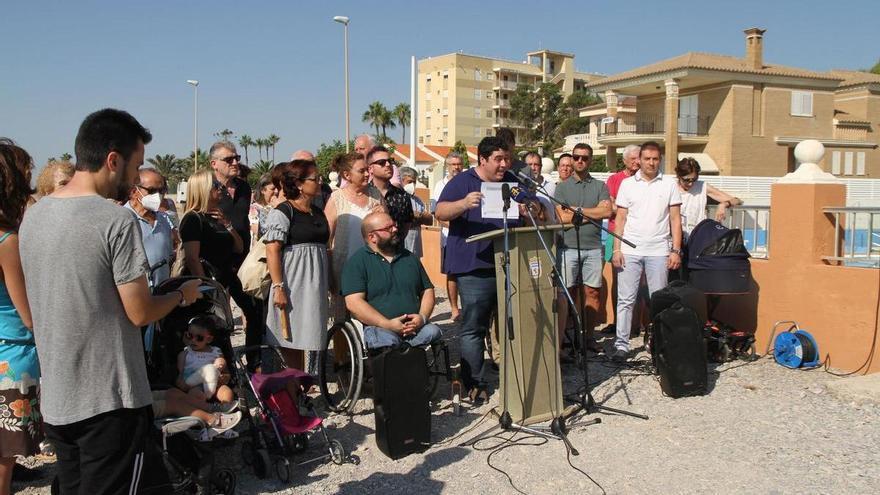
(492, 206)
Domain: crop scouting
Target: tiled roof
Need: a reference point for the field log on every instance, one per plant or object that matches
(855, 78)
(422, 156)
(710, 61)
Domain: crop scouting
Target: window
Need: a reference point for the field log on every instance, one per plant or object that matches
(489, 133)
(478, 94)
(478, 113)
(860, 163)
(478, 75)
(490, 95)
(477, 132)
(490, 76)
(848, 163)
(802, 103)
(835, 162)
(490, 113)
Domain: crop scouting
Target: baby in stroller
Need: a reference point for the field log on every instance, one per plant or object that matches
(202, 369)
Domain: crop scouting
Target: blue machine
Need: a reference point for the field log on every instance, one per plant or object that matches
(795, 349)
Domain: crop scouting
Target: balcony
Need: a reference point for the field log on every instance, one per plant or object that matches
(508, 85)
(574, 139)
(501, 104)
(507, 122)
(692, 129)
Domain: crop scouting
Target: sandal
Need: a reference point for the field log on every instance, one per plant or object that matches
(478, 396)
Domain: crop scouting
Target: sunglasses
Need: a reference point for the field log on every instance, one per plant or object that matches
(384, 161)
(232, 158)
(687, 181)
(581, 158)
(384, 229)
(153, 190)
(196, 338)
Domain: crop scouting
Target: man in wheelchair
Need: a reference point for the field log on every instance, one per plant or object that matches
(386, 288)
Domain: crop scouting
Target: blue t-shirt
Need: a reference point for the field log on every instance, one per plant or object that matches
(463, 257)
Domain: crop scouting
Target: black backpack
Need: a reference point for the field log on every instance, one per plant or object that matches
(678, 350)
(401, 402)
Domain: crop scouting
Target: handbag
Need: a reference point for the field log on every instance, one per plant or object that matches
(254, 270)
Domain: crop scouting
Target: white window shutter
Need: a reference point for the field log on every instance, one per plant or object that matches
(835, 163)
(848, 163)
(860, 163)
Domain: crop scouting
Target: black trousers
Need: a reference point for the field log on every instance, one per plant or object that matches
(252, 308)
(111, 453)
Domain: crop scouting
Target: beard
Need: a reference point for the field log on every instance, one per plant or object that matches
(389, 244)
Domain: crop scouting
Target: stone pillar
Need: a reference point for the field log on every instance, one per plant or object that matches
(611, 103)
(670, 126)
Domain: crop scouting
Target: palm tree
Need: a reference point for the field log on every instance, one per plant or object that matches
(373, 115)
(245, 141)
(259, 142)
(401, 114)
(261, 167)
(272, 140)
(224, 135)
(170, 167)
(386, 119)
(187, 163)
(65, 157)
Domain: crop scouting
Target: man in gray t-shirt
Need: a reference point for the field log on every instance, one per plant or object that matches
(85, 274)
(590, 197)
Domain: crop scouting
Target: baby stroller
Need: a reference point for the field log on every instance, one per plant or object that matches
(279, 430)
(186, 443)
(718, 261)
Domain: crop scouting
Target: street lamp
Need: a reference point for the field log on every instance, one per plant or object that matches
(344, 21)
(195, 85)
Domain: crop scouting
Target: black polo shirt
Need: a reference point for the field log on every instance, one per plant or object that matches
(392, 288)
(399, 208)
(235, 209)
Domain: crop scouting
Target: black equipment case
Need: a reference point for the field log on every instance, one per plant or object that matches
(678, 315)
(401, 402)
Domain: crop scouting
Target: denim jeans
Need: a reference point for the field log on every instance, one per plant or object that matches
(376, 337)
(628, 279)
(478, 302)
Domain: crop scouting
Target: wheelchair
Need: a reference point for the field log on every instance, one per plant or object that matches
(344, 366)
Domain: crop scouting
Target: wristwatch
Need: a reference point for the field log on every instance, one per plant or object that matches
(676, 251)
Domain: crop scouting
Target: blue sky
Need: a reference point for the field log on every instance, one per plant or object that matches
(276, 67)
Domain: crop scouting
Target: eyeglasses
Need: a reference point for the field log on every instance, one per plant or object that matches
(196, 337)
(581, 158)
(152, 190)
(311, 178)
(687, 181)
(385, 229)
(384, 161)
(231, 159)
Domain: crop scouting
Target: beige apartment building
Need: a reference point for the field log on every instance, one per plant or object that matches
(467, 97)
(739, 115)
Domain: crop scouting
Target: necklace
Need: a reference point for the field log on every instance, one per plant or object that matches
(307, 209)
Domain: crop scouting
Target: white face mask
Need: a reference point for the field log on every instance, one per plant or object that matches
(152, 201)
(410, 188)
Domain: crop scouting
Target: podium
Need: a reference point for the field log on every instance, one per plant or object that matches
(531, 380)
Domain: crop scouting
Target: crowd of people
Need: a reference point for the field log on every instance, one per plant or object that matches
(332, 253)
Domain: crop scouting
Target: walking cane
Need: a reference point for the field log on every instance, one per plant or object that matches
(285, 325)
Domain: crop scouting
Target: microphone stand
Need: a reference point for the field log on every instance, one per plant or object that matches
(505, 420)
(585, 400)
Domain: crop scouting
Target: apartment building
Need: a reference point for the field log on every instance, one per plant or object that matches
(464, 97)
(739, 115)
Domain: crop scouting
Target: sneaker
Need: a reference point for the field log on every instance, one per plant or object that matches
(226, 422)
(225, 407)
(619, 356)
(609, 329)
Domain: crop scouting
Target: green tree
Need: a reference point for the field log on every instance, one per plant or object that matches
(374, 115)
(66, 157)
(259, 168)
(260, 143)
(461, 149)
(245, 142)
(272, 140)
(326, 153)
(224, 135)
(876, 68)
(52, 159)
(401, 115)
(170, 167)
(571, 122)
(203, 161)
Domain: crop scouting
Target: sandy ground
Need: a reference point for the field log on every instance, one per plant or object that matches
(761, 429)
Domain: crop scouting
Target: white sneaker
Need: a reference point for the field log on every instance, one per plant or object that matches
(226, 422)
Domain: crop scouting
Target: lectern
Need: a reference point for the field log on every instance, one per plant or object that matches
(531, 381)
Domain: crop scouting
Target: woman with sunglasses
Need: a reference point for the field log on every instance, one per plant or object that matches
(296, 239)
(345, 212)
(22, 429)
(694, 194)
(206, 233)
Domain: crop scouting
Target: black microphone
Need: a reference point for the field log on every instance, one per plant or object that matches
(505, 195)
(519, 195)
(527, 180)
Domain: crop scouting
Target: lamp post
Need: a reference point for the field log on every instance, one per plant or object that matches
(344, 21)
(195, 85)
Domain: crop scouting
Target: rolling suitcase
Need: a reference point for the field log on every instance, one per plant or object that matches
(401, 402)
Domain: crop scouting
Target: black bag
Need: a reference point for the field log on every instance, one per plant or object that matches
(677, 346)
(401, 402)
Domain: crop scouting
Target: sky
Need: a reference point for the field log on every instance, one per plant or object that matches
(276, 67)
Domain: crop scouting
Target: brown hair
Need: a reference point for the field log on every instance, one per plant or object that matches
(649, 145)
(277, 174)
(376, 149)
(15, 183)
(686, 166)
(344, 161)
(295, 173)
(46, 179)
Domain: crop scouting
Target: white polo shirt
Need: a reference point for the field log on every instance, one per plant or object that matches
(647, 218)
(435, 195)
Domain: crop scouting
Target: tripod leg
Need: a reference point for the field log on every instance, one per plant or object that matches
(557, 426)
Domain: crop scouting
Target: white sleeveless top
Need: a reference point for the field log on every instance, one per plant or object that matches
(693, 207)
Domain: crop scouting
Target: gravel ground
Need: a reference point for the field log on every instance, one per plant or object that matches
(761, 429)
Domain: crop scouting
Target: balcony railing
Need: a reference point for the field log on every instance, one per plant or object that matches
(694, 125)
(574, 139)
(754, 222)
(511, 85)
(502, 103)
(856, 236)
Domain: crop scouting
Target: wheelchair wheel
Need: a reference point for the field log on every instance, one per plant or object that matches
(438, 358)
(340, 368)
(224, 482)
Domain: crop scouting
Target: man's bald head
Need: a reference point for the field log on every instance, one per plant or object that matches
(373, 221)
(363, 144)
(303, 155)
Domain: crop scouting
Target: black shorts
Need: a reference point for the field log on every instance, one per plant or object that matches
(109, 453)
